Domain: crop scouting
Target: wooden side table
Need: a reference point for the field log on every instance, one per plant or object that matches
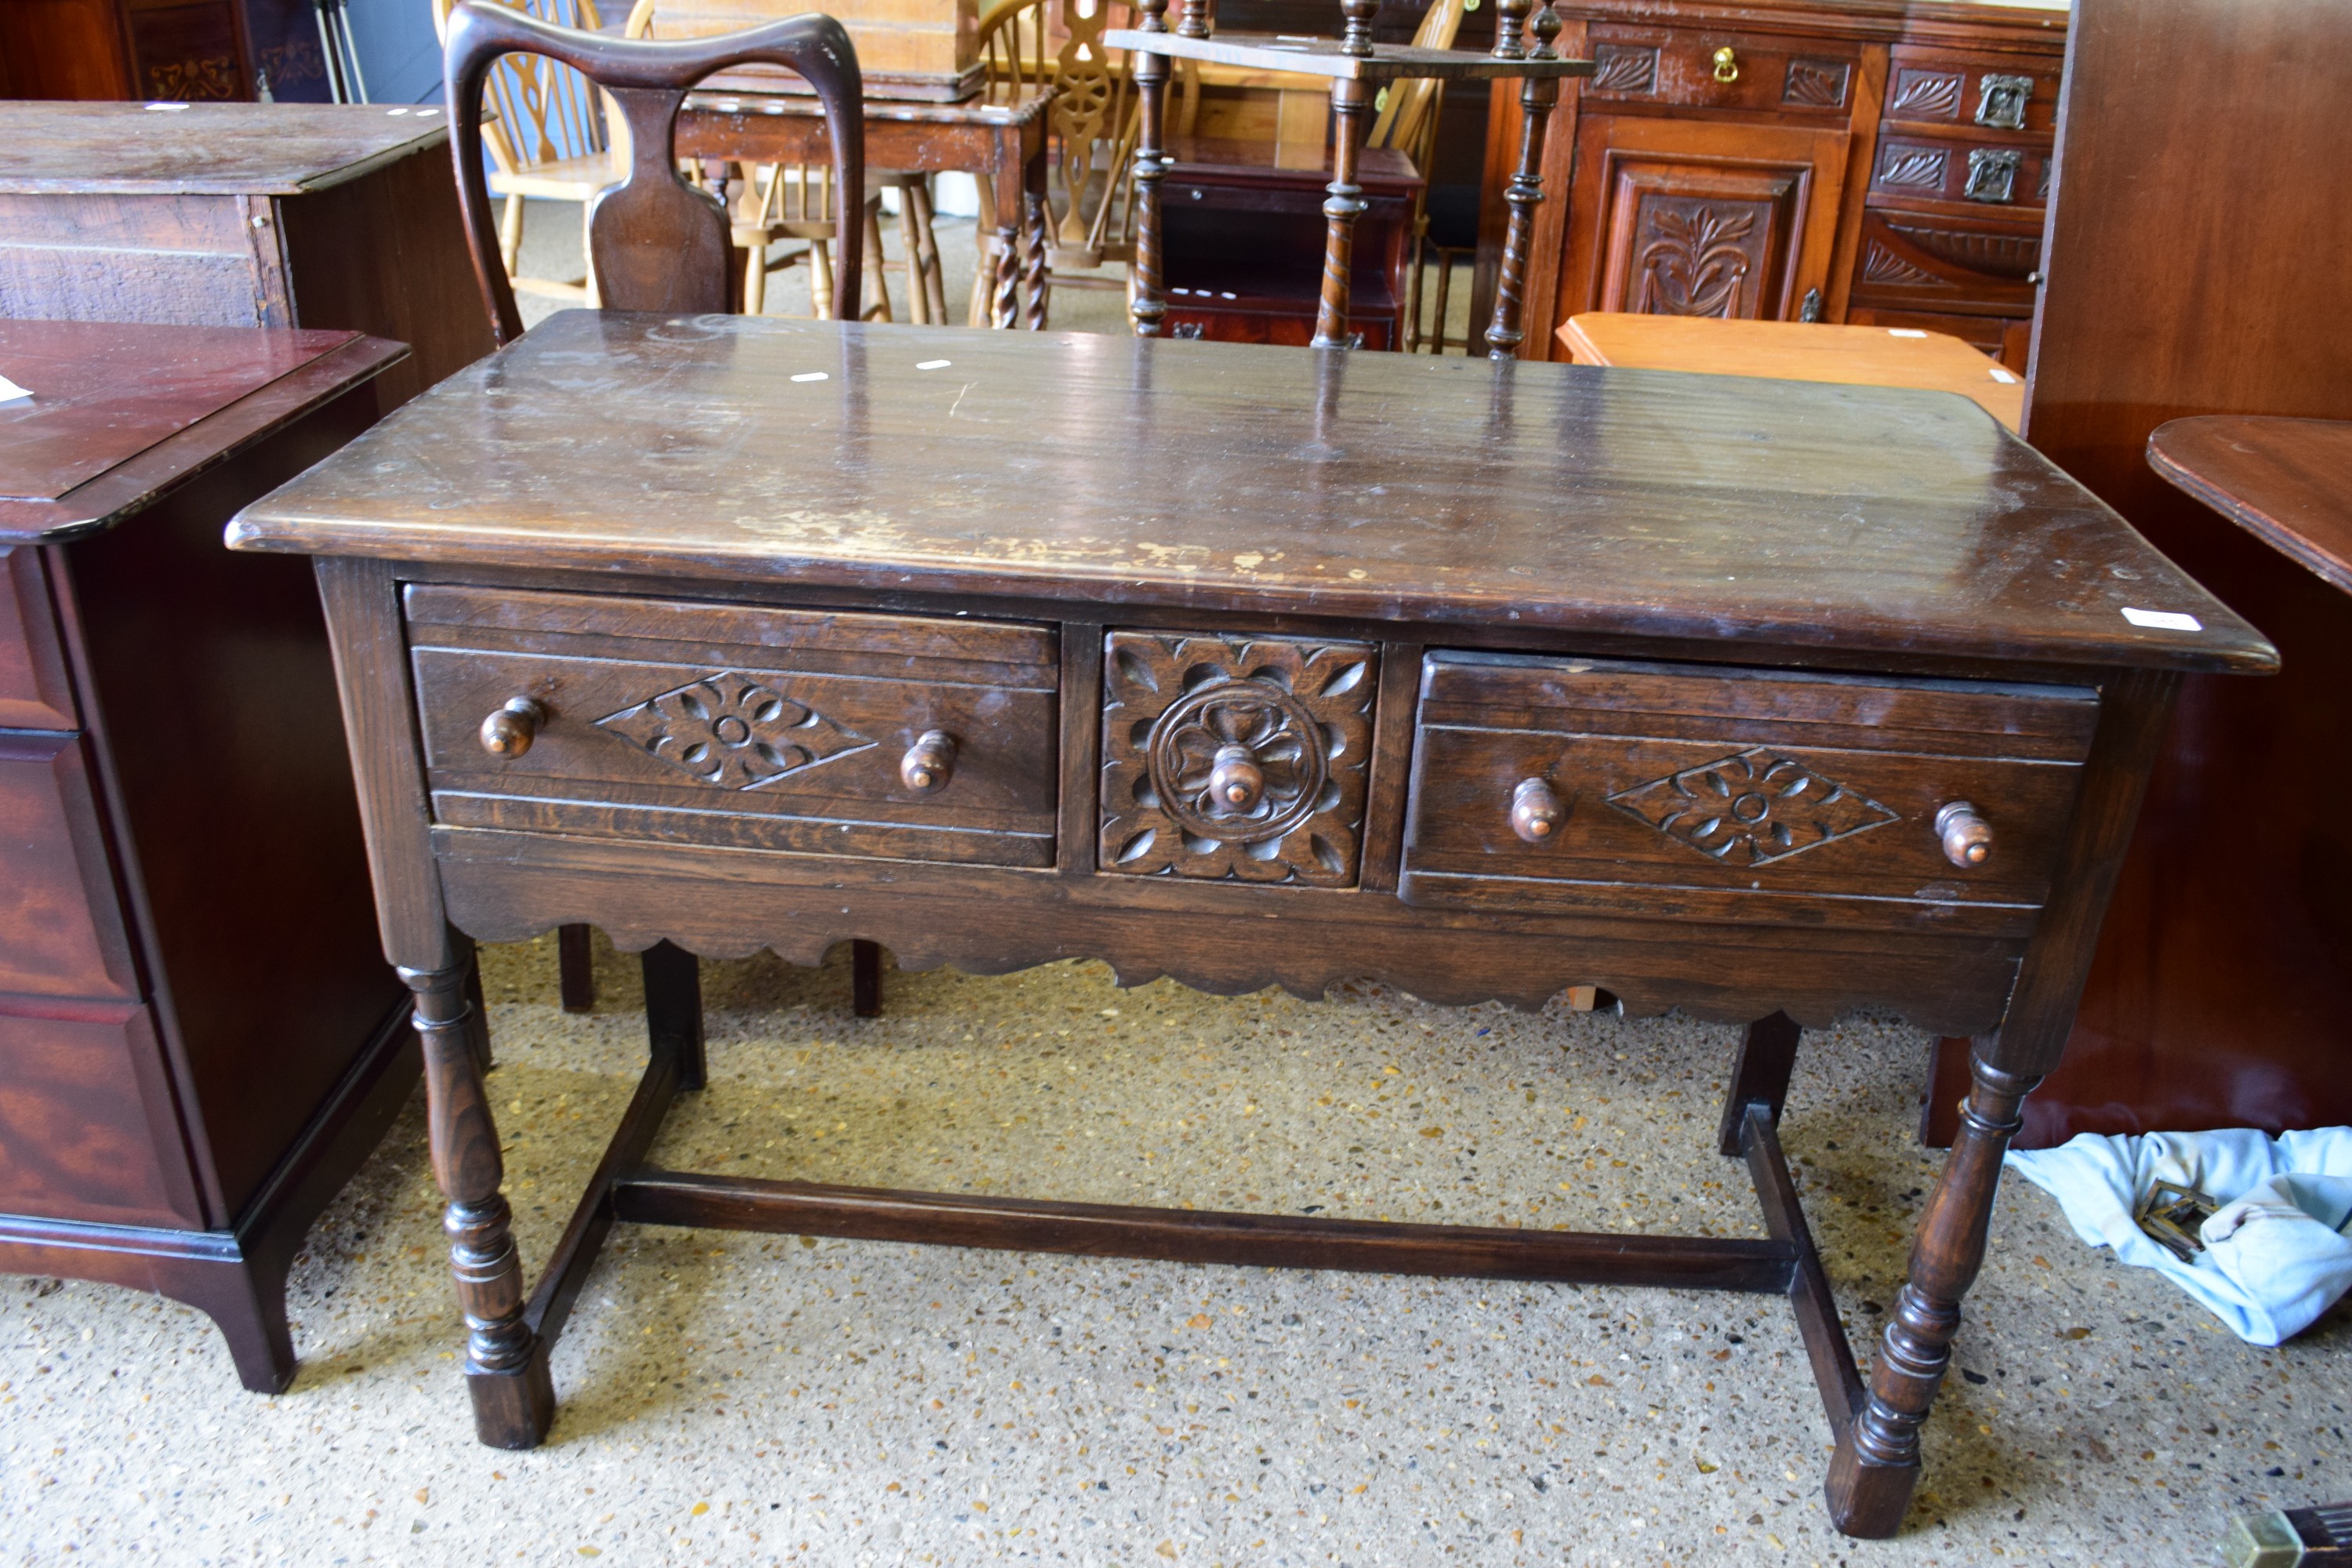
(1798, 351)
(286, 215)
(198, 1044)
(1485, 679)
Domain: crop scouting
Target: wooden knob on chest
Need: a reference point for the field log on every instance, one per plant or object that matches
(1536, 813)
(1235, 780)
(1966, 836)
(930, 762)
(510, 731)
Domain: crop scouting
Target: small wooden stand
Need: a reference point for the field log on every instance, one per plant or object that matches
(1357, 66)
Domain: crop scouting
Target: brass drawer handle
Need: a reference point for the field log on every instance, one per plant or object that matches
(1727, 65)
(1966, 836)
(510, 731)
(1235, 780)
(930, 762)
(1536, 813)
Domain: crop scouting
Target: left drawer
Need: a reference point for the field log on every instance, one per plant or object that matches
(734, 726)
(61, 928)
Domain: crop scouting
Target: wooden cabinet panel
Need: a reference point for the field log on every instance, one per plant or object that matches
(1921, 261)
(87, 1130)
(741, 727)
(2007, 175)
(1935, 87)
(1738, 795)
(1688, 219)
(61, 931)
(1286, 725)
(33, 694)
(1685, 68)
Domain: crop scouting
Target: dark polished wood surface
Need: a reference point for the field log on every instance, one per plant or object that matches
(2183, 225)
(1245, 667)
(103, 395)
(213, 148)
(2288, 482)
(197, 1044)
(1604, 503)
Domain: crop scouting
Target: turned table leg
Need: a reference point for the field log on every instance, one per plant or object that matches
(506, 1364)
(1149, 303)
(1343, 204)
(1877, 1459)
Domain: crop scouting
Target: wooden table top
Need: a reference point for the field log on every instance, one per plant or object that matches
(122, 412)
(202, 149)
(1798, 351)
(1405, 488)
(2286, 481)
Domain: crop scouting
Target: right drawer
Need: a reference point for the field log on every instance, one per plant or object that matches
(1755, 797)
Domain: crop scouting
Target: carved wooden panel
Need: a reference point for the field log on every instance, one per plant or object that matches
(1906, 166)
(1880, 264)
(1816, 84)
(1920, 94)
(1179, 710)
(1623, 68)
(677, 721)
(1690, 238)
(1745, 796)
(187, 52)
(1937, 262)
(1986, 174)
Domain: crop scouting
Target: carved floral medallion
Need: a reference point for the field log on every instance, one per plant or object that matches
(731, 731)
(1752, 808)
(1181, 714)
(1697, 257)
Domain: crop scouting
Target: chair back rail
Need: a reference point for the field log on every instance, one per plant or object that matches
(656, 242)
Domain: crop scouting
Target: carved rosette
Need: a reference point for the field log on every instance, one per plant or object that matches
(1752, 808)
(1294, 719)
(731, 731)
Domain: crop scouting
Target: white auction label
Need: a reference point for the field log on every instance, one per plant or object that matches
(2164, 620)
(813, 375)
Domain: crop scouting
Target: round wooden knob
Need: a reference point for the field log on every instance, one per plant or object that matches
(1536, 813)
(510, 731)
(1235, 783)
(1968, 836)
(930, 762)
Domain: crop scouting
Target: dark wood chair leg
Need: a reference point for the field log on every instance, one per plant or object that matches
(575, 968)
(1877, 1459)
(673, 1009)
(478, 1009)
(506, 1363)
(866, 979)
(1768, 1054)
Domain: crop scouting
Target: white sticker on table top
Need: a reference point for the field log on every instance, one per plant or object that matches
(165, 108)
(2163, 620)
(11, 393)
(2006, 377)
(933, 363)
(813, 375)
(1905, 332)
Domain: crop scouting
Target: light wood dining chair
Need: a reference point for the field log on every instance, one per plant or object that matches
(550, 140)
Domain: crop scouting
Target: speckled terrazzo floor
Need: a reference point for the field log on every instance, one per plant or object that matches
(732, 1398)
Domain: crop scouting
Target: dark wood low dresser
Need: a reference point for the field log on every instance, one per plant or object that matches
(197, 1046)
(1248, 666)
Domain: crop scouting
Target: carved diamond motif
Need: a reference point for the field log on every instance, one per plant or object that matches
(1751, 808)
(730, 732)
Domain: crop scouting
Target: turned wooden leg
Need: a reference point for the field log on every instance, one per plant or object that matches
(506, 1364)
(1343, 204)
(927, 237)
(1032, 244)
(1150, 302)
(866, 979)
(673, 1009)
(1768, 1054)
(1877, 1459)
(575, 968)
(1537, 98)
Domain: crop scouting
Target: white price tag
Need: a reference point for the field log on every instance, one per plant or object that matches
(2164, 620)
(11, 393)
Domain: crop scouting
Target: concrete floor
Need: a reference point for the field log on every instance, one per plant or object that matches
(732, 1398)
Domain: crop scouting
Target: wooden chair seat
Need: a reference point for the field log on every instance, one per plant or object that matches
(578, 179)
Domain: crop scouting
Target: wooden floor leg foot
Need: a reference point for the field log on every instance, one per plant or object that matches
(1878, 1459)
(514, 1407)
(505, 1362)
(866, 979)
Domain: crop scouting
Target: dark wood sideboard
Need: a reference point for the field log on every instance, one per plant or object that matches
(1489, 680)
(2192, 219)
(198, 1043)
(180, 50)
(286, 215)
(1878, 162)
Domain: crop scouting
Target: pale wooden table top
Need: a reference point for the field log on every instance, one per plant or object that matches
(1798, 351)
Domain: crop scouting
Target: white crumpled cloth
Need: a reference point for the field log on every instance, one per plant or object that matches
(2276, 1257)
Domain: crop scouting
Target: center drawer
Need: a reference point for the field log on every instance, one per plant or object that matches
(1571, 786)
(735, 726)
